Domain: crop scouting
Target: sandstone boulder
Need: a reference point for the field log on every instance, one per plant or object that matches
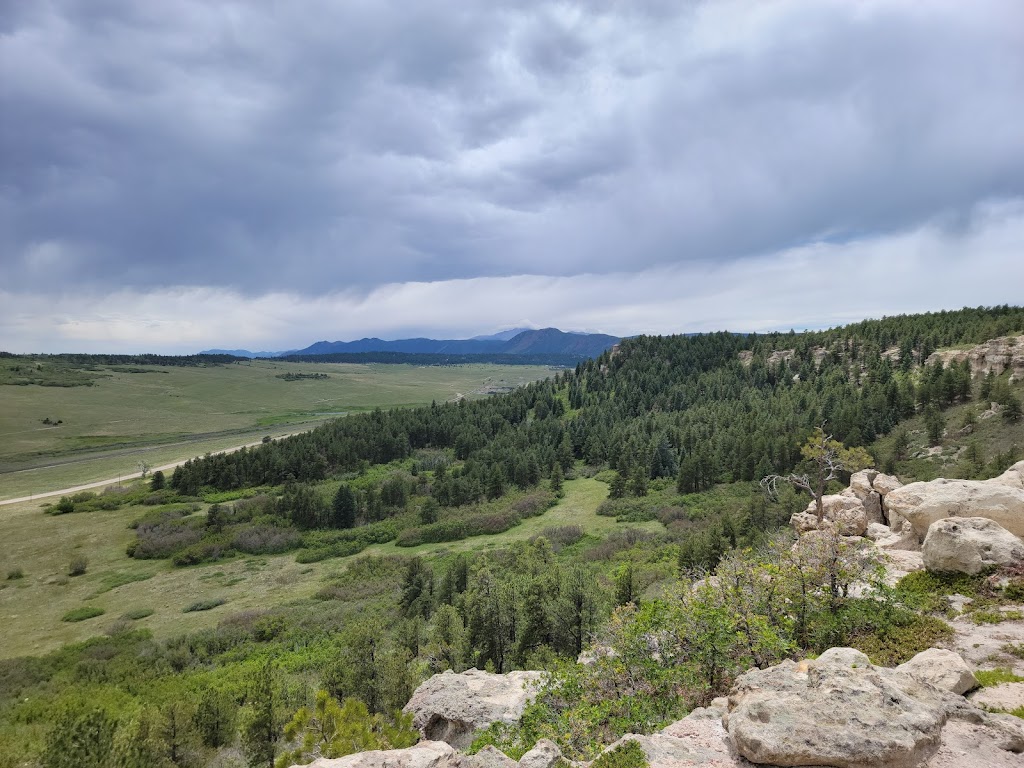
(837, 710)
(1013, 477)
(846, 511)
(861, 483)
(941, 668)
(886, 538)
(969, 545)
(450, 707)
(426, 754)
(699, 740)
(545, 754)
(925, 502)
(883, 484)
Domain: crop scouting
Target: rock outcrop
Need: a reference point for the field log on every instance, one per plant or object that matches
(969, 545)
(925, 502)
(857, 508)
(1013, 477)
(998, 355)
(838, 710)
(941, 668)
(450, 707)
(426, 754)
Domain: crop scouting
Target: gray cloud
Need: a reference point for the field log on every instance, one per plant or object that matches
(319, 147)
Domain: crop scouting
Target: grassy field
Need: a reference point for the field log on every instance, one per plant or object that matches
(41, 547)
(161, 414)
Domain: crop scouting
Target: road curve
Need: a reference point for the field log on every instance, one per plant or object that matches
(132, 476)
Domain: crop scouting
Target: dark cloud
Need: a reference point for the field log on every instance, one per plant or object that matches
(322, 146)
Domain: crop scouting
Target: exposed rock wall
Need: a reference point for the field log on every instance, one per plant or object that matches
(999, 355)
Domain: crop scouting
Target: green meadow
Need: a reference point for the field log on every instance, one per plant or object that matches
(157, 595)
(54, 437)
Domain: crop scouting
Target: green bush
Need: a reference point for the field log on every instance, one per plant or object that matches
(137, 613)
(627, 755)
(78, 565)
(83, 613)
(15, 573)
(483, 524)
(205, 605)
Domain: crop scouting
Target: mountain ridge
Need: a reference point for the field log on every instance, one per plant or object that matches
(550, 341)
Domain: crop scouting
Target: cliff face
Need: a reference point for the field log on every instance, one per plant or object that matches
(999, 355)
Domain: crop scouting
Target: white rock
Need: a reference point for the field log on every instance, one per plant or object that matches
(969, 545)
(545, 754)
(837, 710)
(426, 754)
(884, 484)
(861, 482)
(1005, 696)
(943, 669)
(847, 511)
(450, 707)
(924, 503)
(1013, 477)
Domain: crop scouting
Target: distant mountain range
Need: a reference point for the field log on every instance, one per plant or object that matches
(518, 341)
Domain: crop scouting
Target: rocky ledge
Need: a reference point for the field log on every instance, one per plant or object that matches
(838, 710)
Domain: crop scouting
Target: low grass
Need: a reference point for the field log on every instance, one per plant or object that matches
(989, 677)
(125, 417)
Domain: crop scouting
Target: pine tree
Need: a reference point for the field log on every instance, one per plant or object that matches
(343, 508)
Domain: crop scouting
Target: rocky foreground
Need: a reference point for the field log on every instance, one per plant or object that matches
(838, 710)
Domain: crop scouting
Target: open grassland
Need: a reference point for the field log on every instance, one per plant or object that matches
(41, 547)
(158, 415)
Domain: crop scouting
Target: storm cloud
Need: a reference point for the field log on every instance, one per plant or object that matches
(221, 162)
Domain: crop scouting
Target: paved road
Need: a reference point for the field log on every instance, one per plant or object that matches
(112, 480)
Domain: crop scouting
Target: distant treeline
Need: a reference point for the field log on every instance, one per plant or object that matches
(82, 360)
(410, 358)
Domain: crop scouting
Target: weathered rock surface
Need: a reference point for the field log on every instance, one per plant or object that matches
(426, 754)
(942, 668)
(450, 707)
(974, 745)
(545, 754)
(886, 538)
(699, 740)
(1013, 477)
(848, 512)
(837, 710)
(1005, 696)
(998, 355)
(925, 502)
(969, 545)
(884, 484)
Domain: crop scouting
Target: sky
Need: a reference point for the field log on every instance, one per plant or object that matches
(188, 174)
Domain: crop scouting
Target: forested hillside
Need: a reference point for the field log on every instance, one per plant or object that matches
(670, 433)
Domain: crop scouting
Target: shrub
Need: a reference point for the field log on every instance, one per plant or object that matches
(205, 551)
(154, 541)
(483, 524)
(78, 565)
(562, 535)
(137, 613)
(205, 605)
(15, 573)
(629, 754)
(629, 510)
(266, 540)
(83, 613)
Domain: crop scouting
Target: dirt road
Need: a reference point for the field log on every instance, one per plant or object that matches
(112, 480)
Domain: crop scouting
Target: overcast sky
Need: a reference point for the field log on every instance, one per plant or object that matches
(179, 175)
